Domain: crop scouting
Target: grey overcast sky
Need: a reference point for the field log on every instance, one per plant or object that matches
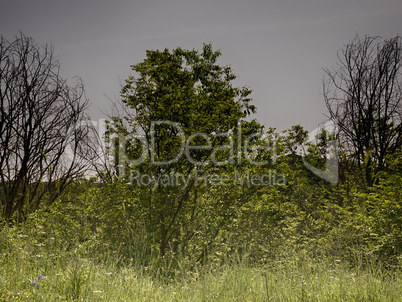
(276, 47)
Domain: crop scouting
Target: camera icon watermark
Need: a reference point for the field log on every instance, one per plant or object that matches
(331, 171)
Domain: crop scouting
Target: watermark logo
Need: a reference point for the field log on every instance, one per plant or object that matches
(237, 149)
(331, 171)
(244, 148)
(207, 178)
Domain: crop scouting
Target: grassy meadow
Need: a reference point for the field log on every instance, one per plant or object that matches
(57, 256)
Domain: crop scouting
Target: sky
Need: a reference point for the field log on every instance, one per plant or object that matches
(277, 48)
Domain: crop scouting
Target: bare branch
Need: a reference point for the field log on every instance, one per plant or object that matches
(41, 127)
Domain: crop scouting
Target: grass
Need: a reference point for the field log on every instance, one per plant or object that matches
(71, 276)
(84, 271)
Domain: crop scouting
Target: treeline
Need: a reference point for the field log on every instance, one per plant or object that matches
(189, 177)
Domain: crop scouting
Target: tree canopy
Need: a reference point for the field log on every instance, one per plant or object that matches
(181, 113)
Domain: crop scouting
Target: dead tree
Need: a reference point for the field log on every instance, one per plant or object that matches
(363, 95)
(45, 140)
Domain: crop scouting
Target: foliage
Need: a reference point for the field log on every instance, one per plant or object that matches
(261, 225)
(181, 102)
(76, 276)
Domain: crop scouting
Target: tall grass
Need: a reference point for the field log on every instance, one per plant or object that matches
(80, 274)
(99, 251)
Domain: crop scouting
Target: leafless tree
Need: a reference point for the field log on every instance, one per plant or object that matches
(363, 95)
(45, 135)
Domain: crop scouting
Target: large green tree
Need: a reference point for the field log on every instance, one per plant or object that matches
(182, 117)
